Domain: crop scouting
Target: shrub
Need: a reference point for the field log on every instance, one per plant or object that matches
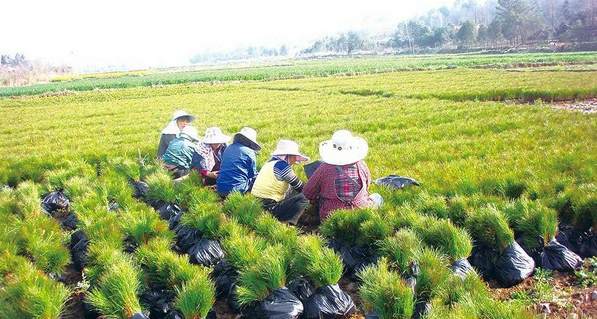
(244, 208)
(384, 292)
(401, 249)
(317, 262)
(489, 228)
(257, 281)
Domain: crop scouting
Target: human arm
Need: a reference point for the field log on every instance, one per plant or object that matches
(283, 172)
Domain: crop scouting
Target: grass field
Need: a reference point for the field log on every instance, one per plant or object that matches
(304, 68)
(457, 131)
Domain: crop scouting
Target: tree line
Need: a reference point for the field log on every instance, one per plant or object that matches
(474, 24)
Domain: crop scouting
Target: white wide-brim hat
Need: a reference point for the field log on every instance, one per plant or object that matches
(288, 147)
(343, 149)
(189, 132)
(180, 113)
(249, 135)
(214, 135)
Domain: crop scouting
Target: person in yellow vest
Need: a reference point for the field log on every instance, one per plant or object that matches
(277, 185)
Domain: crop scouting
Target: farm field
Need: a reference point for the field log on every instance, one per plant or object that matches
(498, 166)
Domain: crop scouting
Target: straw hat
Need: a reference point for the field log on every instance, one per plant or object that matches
(249, 135)
(288, 147)
(213, 135)
(189, 132)
(180, 113)
(343, 149)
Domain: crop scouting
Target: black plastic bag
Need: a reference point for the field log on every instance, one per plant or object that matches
(281, 304)
(206, 252)
(354, 258)
(422, 309)
(70, 222)
(329, 302)
(130, 245)
(484, 261)
(396, 181)
(301, 288)
(224, 277)
(461, 268)
(168, 210)
(514, 265)
(113, 206)
(174, 220)
(588, 246)
(175, 314)
(139, 315)
(159, 302)
(140, 189)
(55, 202)
(186, 237)
(78, 247)
(556, 256)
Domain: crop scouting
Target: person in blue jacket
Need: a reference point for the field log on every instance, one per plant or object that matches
(239, 163)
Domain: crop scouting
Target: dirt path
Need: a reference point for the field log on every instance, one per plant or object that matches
(587, 106)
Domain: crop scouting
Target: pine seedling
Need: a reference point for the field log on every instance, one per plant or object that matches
(317, 262)
(207, 218)
(41, 238)
(404, 217)
(77, 188)
(531, 220)
(489, 228)
(344, 225)
(115, 295)
(447, 238)
(276, 232)
(142, 225)
(257, 281)
(127, 167)
(163, 267)
(196, 297)
(161, 187)
(384, 292)
(28, 293)
(458, 210)
(401, 249)
(433, 275)
(243, 251)
(430, 205)
(244, 208)
(27, 200)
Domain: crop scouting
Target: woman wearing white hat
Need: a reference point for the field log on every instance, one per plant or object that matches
(216, 141)
(275, 180)
(185, 153)
(342, 180)
(180, 119)
(239, 163)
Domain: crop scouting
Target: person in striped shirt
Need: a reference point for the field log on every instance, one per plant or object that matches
(277, 185)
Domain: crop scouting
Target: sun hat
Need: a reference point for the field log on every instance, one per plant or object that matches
(180, 113)
(213, 135)
(288, 147)
(343, 149)
(189, 132)
(248, 135)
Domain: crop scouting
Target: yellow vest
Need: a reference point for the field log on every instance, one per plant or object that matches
(267, 185)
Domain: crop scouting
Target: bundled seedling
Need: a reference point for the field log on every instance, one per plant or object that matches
(490, 230)
(161, 189)
(447, 238)
(401, 249)
(27, 200)
(431, 205)
(244, 208)
(28, 293)
(142, 224)
(317, 262)
(433, 275)
(385, 293)
(256, 282)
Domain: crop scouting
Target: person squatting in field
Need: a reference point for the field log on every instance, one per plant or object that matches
(239, 163)
(216, 141)
(342, 180)
(278, 187)
(180, 119)
(185, 153)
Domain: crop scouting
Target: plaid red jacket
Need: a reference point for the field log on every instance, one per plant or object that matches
(321, 187)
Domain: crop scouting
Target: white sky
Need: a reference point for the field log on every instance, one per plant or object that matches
(139, 33)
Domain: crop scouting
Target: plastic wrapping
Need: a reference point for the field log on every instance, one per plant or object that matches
(514, 265)
(206, 252)
(140, 189)
(168, 210)
(329, 302)
(556, 256)
(224, 277)
(186, 237)
(396, 181)
(78, 247)
(55, 202)
(281, 304)
(461, 268)
(301, 288)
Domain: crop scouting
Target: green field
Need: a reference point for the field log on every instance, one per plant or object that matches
(306, 68)
(459, 131)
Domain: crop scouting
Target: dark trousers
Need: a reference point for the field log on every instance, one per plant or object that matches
(289, 209)
(178, 172)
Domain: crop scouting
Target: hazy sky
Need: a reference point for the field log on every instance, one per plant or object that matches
(153, 33)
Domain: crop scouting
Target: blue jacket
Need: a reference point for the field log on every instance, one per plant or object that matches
(238, 169)
(183, 153)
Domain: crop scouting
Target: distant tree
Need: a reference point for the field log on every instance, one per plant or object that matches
(5, 59)
(466, 34)
(439, 37)
(283, 50)
(494, 32)
(483, 35)
(353, 42)
(517, 19)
